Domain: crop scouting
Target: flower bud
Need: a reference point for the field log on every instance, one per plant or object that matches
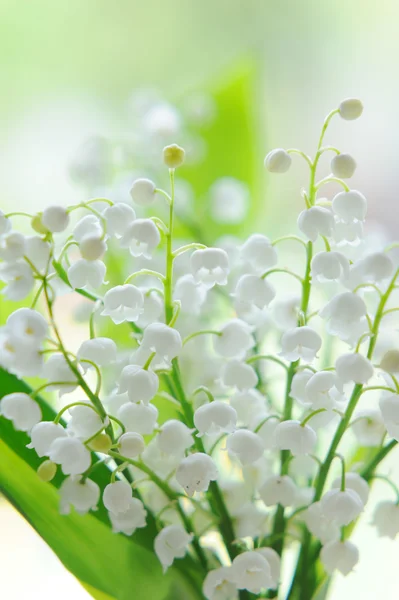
(138, 417)
(390, 362)
(47, 470)
(92, 247)
(143, 192)
(350, 109)
(278, 161)
(117, 497)
(101, 443)
(140, 385)
(343, 166)
(37, 224)
(173, 156)
(131, 444)
(55, 219)
(342, 556)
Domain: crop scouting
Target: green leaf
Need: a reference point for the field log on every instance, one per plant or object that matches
(232, 149)
(105, 563)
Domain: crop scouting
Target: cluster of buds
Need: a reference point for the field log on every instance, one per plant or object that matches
(261, 385)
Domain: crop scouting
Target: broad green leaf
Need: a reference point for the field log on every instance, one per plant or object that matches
(96, 593)
(115, 565)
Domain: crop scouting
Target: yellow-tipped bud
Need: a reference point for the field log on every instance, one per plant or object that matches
(173, 156)
(37, 224)
(47, 470)
(101, 443)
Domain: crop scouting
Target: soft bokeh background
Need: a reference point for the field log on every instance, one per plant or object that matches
(68, 70)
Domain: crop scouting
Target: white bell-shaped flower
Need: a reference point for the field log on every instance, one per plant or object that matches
(19, 408)
(57, 371)
(131, 519)
(131, 444)
(386, 519)
(303, 465)
(175, 437)
(165, 341)
(138, 417)
(143, 192)
(251, 571)
(123, 303)
(298, 386)
(285, 312)
(254, 292)
(43, 435)
(28, 325)
(87, 274)
(274, 563)
(344, 312)
(195, 472)
(101, 350)
(117, 497)
(5, 223)
(316, 221)
(390, 362)
(141, 237)
(84, 422)
(389, 406)
(170, 543)
(348, 234)
(266, 431)
(353, 481)
(18, 278)
(118, 218)
(320, 525)
(245, 446)
(342, 506)
(340, 556)
(354, 367)
(24, 360)
(89, 225)
(300, 343)
(141, 385)
(323, 390)
(350, 207)
(350, 109)
(71, 454)
(190, 293)
(235, 339)
(257, 252)
(343, 165)
(210, 266)
(250, 520)
(238, 374)
(218, 585)
(368, 427)
(215, 418)
(250, 407)
(92, 247)
(329, 266)
(376, 267)
(277, 161)
(291, 435)
(55, 218)
(83, 495)
(12, 246)
(278, 489)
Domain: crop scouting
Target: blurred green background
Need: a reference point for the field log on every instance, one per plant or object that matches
(275, 67)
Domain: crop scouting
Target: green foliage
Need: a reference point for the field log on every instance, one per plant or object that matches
(108, 565)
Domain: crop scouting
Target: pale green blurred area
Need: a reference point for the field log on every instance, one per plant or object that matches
(67, 70)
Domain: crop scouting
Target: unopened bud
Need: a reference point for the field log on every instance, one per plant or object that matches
(101, 443)
(173, 156)
(47, 470)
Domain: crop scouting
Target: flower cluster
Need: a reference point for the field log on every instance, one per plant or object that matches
(260, 385)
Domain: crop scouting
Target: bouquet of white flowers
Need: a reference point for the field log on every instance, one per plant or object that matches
(263, 386)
